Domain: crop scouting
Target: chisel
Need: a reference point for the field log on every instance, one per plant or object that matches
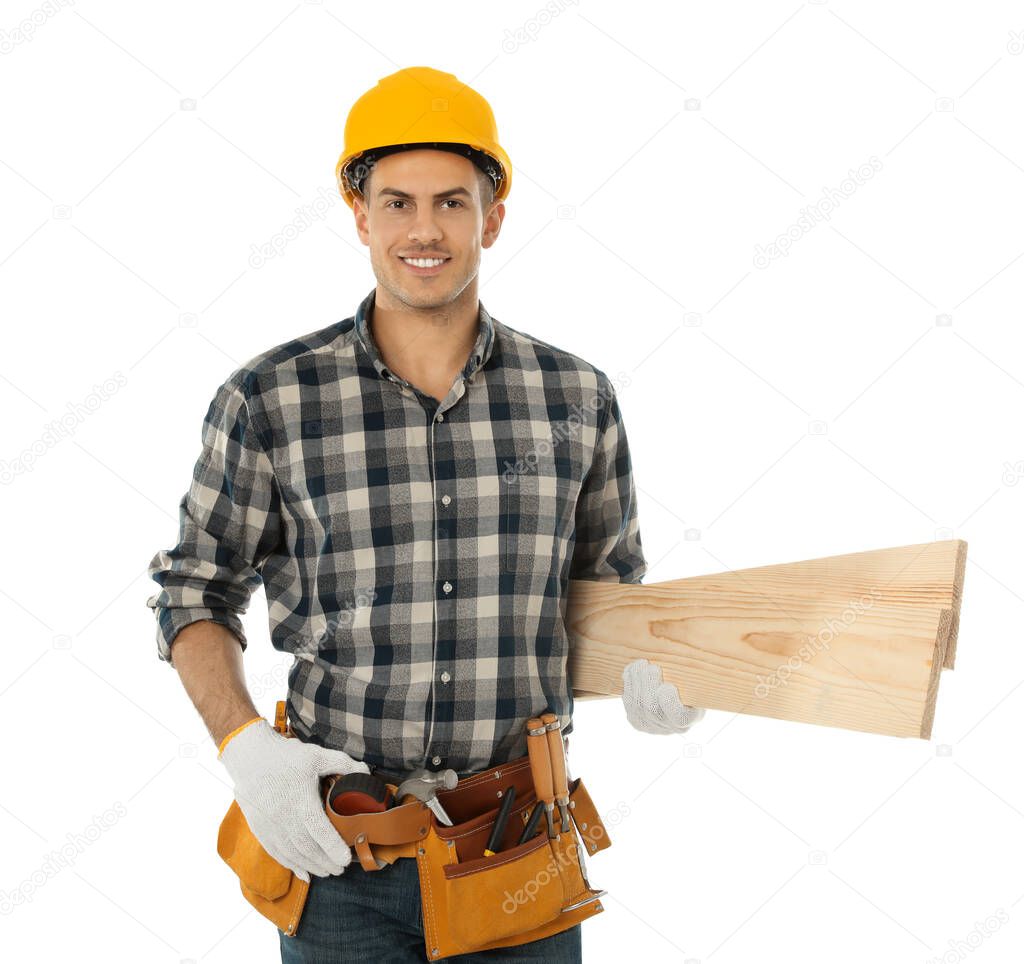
(559, 780)
(540, 768)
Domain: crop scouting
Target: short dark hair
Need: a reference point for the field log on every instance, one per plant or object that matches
(483, 179)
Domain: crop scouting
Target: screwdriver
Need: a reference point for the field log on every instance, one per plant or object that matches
(531, 825)
(499, 821)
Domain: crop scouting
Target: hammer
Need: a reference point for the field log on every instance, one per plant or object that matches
(423, 785)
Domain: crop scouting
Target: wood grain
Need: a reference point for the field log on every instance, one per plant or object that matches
(856, 641)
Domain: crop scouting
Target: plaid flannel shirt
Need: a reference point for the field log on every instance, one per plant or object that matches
(415, 554)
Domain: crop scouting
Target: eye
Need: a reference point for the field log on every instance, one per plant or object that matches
(394, 202)
(451, 200)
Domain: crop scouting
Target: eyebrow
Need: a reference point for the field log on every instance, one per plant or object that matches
(449, 193)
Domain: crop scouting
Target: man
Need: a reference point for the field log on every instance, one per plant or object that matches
(414, 486)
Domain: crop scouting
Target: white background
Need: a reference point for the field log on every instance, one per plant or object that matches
(861, 392)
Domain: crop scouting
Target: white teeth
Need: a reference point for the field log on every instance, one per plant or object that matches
(424, 262)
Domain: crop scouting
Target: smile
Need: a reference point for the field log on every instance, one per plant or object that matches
(425, 267)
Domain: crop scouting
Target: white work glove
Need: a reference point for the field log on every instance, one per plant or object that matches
(653, 706)
(277, 786)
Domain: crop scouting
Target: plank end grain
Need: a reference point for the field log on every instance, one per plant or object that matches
(959, 568)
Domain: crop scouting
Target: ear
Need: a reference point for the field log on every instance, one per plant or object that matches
(492, 224)
(361, 213)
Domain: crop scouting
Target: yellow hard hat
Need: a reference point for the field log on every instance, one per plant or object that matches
(425, 108)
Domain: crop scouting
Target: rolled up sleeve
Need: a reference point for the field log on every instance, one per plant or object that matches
(608, 546)
(229, 522)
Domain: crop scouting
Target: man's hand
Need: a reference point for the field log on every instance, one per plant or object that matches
(653, 706)
(277, 786)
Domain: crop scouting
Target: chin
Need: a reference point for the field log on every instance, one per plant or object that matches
(426, 296)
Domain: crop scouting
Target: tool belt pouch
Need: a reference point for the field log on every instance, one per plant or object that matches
(271, 888)
(523, 892)
(470, 901)
(276, 892)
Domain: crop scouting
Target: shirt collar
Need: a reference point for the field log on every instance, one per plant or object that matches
(478, 357)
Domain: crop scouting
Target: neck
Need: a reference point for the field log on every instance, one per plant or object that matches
(425, 344)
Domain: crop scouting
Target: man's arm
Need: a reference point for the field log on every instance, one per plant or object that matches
(208, 658)
(276, 779)
(607, 545)
(230, 523)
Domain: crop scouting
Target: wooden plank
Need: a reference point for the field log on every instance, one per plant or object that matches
(854, 641)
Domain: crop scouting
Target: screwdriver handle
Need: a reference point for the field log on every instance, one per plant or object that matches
(531, 825)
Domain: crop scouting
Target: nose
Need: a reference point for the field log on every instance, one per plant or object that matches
(424, 230)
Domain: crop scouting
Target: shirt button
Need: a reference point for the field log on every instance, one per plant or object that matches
(446, 500)
(436, 761)
(447, 587)
(440, 416)
(445, 676)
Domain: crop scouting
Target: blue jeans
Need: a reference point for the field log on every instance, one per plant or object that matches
(377, 916)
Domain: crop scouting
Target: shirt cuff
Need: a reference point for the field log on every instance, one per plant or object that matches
(170, 622)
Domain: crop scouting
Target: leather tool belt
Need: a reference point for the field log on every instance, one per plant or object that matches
(471, 901)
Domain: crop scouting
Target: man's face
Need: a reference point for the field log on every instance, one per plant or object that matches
(426, 204)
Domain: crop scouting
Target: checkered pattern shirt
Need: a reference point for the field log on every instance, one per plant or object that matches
(416, 555)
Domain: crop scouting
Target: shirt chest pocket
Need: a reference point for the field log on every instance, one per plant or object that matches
(537, 510)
